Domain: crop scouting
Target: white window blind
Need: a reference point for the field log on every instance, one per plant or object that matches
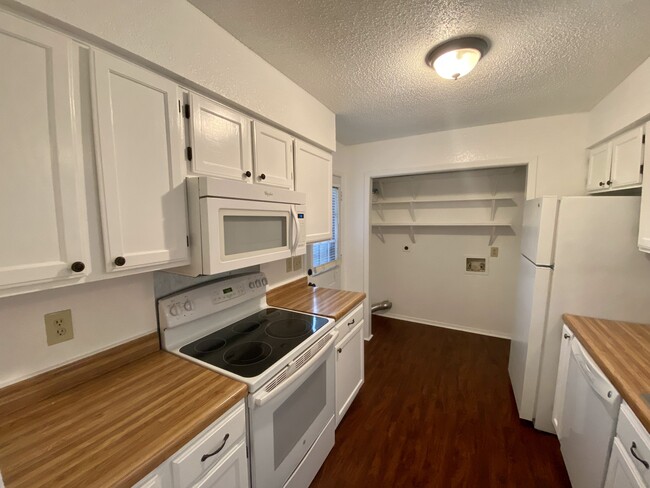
(328, 252)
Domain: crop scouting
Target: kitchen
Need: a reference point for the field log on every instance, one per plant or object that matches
(113, 248)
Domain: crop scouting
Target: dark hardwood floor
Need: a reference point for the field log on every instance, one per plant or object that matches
(436, 410)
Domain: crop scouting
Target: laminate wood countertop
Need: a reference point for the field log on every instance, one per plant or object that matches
(622, 351)
(301, 297)
(114, 427)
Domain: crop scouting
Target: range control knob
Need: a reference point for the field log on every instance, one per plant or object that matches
(258, 283)
(188, 306)
(251, 284)
(173, 310)
(265, 282)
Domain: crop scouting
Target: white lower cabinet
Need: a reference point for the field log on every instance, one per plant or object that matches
(621, 472)
(349, 361)
(216, 458)
(629, 465)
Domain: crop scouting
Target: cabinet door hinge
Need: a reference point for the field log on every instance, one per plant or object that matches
(187, 239)
(641, 169)
(186, 110)
(188, 153)
(643, 139)
(246, 452)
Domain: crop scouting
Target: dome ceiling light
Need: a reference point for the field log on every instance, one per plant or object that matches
(457, 57)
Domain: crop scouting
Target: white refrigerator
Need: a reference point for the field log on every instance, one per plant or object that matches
(579, 255)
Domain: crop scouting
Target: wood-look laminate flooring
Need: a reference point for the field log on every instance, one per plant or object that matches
(436, 410)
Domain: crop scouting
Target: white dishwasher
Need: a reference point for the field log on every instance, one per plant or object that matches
(591, 409)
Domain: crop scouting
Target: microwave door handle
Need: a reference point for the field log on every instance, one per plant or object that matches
(295, 229)
(260, 401)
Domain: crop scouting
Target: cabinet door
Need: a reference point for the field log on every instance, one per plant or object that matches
(221, 141)
(600, 159)
(314, 177)
(627, 159)
(142, 192)
(560, 385)
(644, 218)
(621, 472)
(349, 370)
(273, 156)
(42, 199)
(231, 472)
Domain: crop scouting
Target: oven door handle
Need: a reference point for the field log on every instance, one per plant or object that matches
(295, 376)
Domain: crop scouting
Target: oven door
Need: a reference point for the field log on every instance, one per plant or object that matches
(240, 233)
(286, 421)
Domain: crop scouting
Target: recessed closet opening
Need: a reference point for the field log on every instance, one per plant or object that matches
(444, 247)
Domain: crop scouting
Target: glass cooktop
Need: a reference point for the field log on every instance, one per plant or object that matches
(248, 347)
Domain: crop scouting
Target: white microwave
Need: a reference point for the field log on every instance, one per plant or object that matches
(235, 224)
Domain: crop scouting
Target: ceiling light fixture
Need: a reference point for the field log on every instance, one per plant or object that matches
(456, 58)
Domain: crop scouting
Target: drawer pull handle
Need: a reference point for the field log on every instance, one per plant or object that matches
(218, 450)
(350, 323)
(637, 457)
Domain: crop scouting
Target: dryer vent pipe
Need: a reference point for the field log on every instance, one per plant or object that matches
(385, 305)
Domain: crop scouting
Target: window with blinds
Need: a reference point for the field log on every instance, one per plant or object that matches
(326, 254)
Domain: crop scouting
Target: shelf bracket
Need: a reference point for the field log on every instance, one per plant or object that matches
(494, 183)
(411, 211)
(493, 235)
(380, 234)
(380, 211)
(414, 187)
(412, 234)
(381, 188)
(494, 210)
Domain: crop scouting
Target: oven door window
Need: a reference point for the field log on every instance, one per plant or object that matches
(244, 234)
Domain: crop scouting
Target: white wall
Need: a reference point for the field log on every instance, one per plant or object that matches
(428, 283)
(557, 144)
(176, 36)
(104, 314)
(625, 105)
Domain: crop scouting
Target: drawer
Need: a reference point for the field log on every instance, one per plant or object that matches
(225, 433)
(635, 440)
(347, 323)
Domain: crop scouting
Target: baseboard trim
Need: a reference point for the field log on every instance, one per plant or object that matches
(444, 325)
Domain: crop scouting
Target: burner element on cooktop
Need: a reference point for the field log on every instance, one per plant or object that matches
(289, 328)
(245, 327)
(209, 344)
(247, 353)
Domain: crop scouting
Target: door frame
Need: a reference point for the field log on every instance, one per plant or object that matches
(530, 163)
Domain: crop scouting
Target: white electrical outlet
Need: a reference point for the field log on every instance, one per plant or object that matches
(494, 252)
(58, 327)
(289, 264)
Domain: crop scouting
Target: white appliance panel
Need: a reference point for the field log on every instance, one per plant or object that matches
(528, 334)
(599, 272)
(538, 230)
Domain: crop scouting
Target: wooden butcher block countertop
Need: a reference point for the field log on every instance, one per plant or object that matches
(108, 420)
(301, 297)
(622, 351)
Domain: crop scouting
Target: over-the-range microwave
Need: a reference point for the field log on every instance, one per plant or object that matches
(235, 224)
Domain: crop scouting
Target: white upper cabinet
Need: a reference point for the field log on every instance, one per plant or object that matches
(644, 218)
(599, 167)
(617, 164)
(220, 140)
(313, 176)
(627, 159)
(139, 166)
(42, 196)
(272, 156)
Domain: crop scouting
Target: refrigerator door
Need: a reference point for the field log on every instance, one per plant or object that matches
(526, 344)
(599, 272)
(538, 230)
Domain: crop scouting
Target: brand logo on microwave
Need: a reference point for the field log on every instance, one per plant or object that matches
(268, 193)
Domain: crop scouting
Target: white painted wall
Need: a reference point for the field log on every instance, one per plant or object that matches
(624, 106)
(557, 144)
(428, 283)
(177, 37)
(104, 314)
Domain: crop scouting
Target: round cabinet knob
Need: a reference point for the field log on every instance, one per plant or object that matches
(262, 176)
(609, 182)
(119, 261)
(188, 306)
(77, 266)
(248, 174)
(601, 184)
(339, 350)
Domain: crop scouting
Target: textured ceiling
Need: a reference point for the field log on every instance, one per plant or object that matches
(364, 59)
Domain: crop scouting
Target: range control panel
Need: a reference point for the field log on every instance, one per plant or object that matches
(209, 298)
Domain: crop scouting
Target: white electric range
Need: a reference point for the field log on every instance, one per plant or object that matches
(286, 358)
